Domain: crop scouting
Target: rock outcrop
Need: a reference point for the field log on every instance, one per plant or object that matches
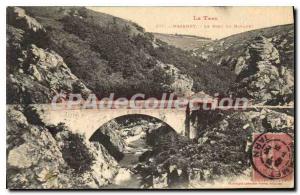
(38, 158)
(261, 77)
(40, 75)
(23, 21)
(109, 136)
(35, 75)
(182, 84)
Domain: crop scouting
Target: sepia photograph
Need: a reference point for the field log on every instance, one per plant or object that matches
(150, 98)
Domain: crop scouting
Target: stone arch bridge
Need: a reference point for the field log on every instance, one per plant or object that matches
(87, 120)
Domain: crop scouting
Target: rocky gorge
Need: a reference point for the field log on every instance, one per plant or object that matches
(75, 50)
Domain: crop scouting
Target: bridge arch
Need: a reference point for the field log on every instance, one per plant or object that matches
(131, 128)
(129, 118)
(87, 121)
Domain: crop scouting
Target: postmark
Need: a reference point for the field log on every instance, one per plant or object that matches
(272, 156)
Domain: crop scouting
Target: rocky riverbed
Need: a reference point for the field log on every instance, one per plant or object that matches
(132, 136)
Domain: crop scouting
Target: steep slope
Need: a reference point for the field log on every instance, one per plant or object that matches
(39, 155)
(34, 74)
(110, 54)
(227, 50)
(263, 77)
(262, 60)
(42, 157)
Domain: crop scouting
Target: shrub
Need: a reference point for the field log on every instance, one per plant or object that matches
(76, 154)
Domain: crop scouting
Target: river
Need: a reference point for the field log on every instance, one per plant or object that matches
(136, 146)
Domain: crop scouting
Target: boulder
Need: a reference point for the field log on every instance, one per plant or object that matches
(21, 157)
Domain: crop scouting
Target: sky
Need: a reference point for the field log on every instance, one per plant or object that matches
(211, 22)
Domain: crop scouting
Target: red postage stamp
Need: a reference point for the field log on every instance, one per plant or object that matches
(272, 156)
